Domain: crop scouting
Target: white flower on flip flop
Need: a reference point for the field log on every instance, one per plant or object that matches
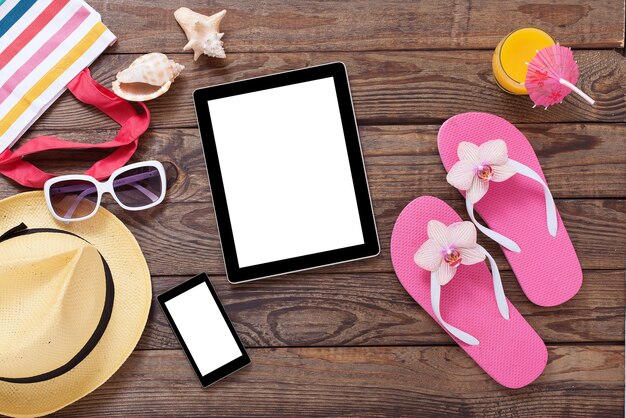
(447, 248)
(478, 165)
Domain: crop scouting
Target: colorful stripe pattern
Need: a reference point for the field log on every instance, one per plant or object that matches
(44, 44)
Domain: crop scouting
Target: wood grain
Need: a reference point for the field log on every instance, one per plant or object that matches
(348, 340)
(180, 236)
(375, 310)
(579, 161)
(182, 239)
(387, 88)
(579, 381)
(366, 25)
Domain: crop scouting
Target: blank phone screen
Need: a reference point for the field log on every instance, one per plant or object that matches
(286, 173)
(203, 328)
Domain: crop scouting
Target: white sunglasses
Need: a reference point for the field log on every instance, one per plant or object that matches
(137, 186)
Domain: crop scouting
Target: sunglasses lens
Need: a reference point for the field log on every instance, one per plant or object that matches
(73, 199)
(139, 187)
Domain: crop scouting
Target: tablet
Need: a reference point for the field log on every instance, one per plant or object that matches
(286, 171)
(203, 329)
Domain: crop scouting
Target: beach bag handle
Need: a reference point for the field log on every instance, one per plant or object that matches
(132, 125)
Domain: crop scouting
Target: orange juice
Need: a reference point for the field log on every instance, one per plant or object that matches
(512, 55)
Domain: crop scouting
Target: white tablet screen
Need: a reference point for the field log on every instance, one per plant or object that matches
(203, 328)
(285, 169)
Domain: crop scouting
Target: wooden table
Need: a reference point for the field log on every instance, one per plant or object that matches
(348, 340)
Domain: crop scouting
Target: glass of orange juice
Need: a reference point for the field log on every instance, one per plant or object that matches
(512, 55)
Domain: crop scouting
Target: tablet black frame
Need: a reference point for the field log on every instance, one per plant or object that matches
(369, 248)
(227, 368)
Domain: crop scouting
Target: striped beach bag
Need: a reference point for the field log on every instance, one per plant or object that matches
(46, 47)
(44, 44)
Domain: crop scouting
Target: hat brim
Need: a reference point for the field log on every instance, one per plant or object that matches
(133, 295)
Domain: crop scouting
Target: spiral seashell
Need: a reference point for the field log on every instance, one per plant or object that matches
(148, 77)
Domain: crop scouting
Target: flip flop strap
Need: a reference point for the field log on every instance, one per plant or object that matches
(498, 290)
(435, 300)
(524, 170)
(551, 219)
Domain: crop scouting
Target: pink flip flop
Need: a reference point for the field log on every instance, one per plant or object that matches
(453, 284)
(494, 166)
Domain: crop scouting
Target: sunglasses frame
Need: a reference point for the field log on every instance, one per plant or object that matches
(105, 187)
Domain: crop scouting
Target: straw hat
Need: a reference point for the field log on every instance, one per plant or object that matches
(74, 300)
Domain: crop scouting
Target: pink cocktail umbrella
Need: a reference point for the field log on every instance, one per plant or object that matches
(552, 75)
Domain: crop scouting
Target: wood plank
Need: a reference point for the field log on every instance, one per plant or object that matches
(570, 154)
(182, 238)
(388, 88)
(579, 160)
(579, 381)
(375, 310)
(142, 26)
